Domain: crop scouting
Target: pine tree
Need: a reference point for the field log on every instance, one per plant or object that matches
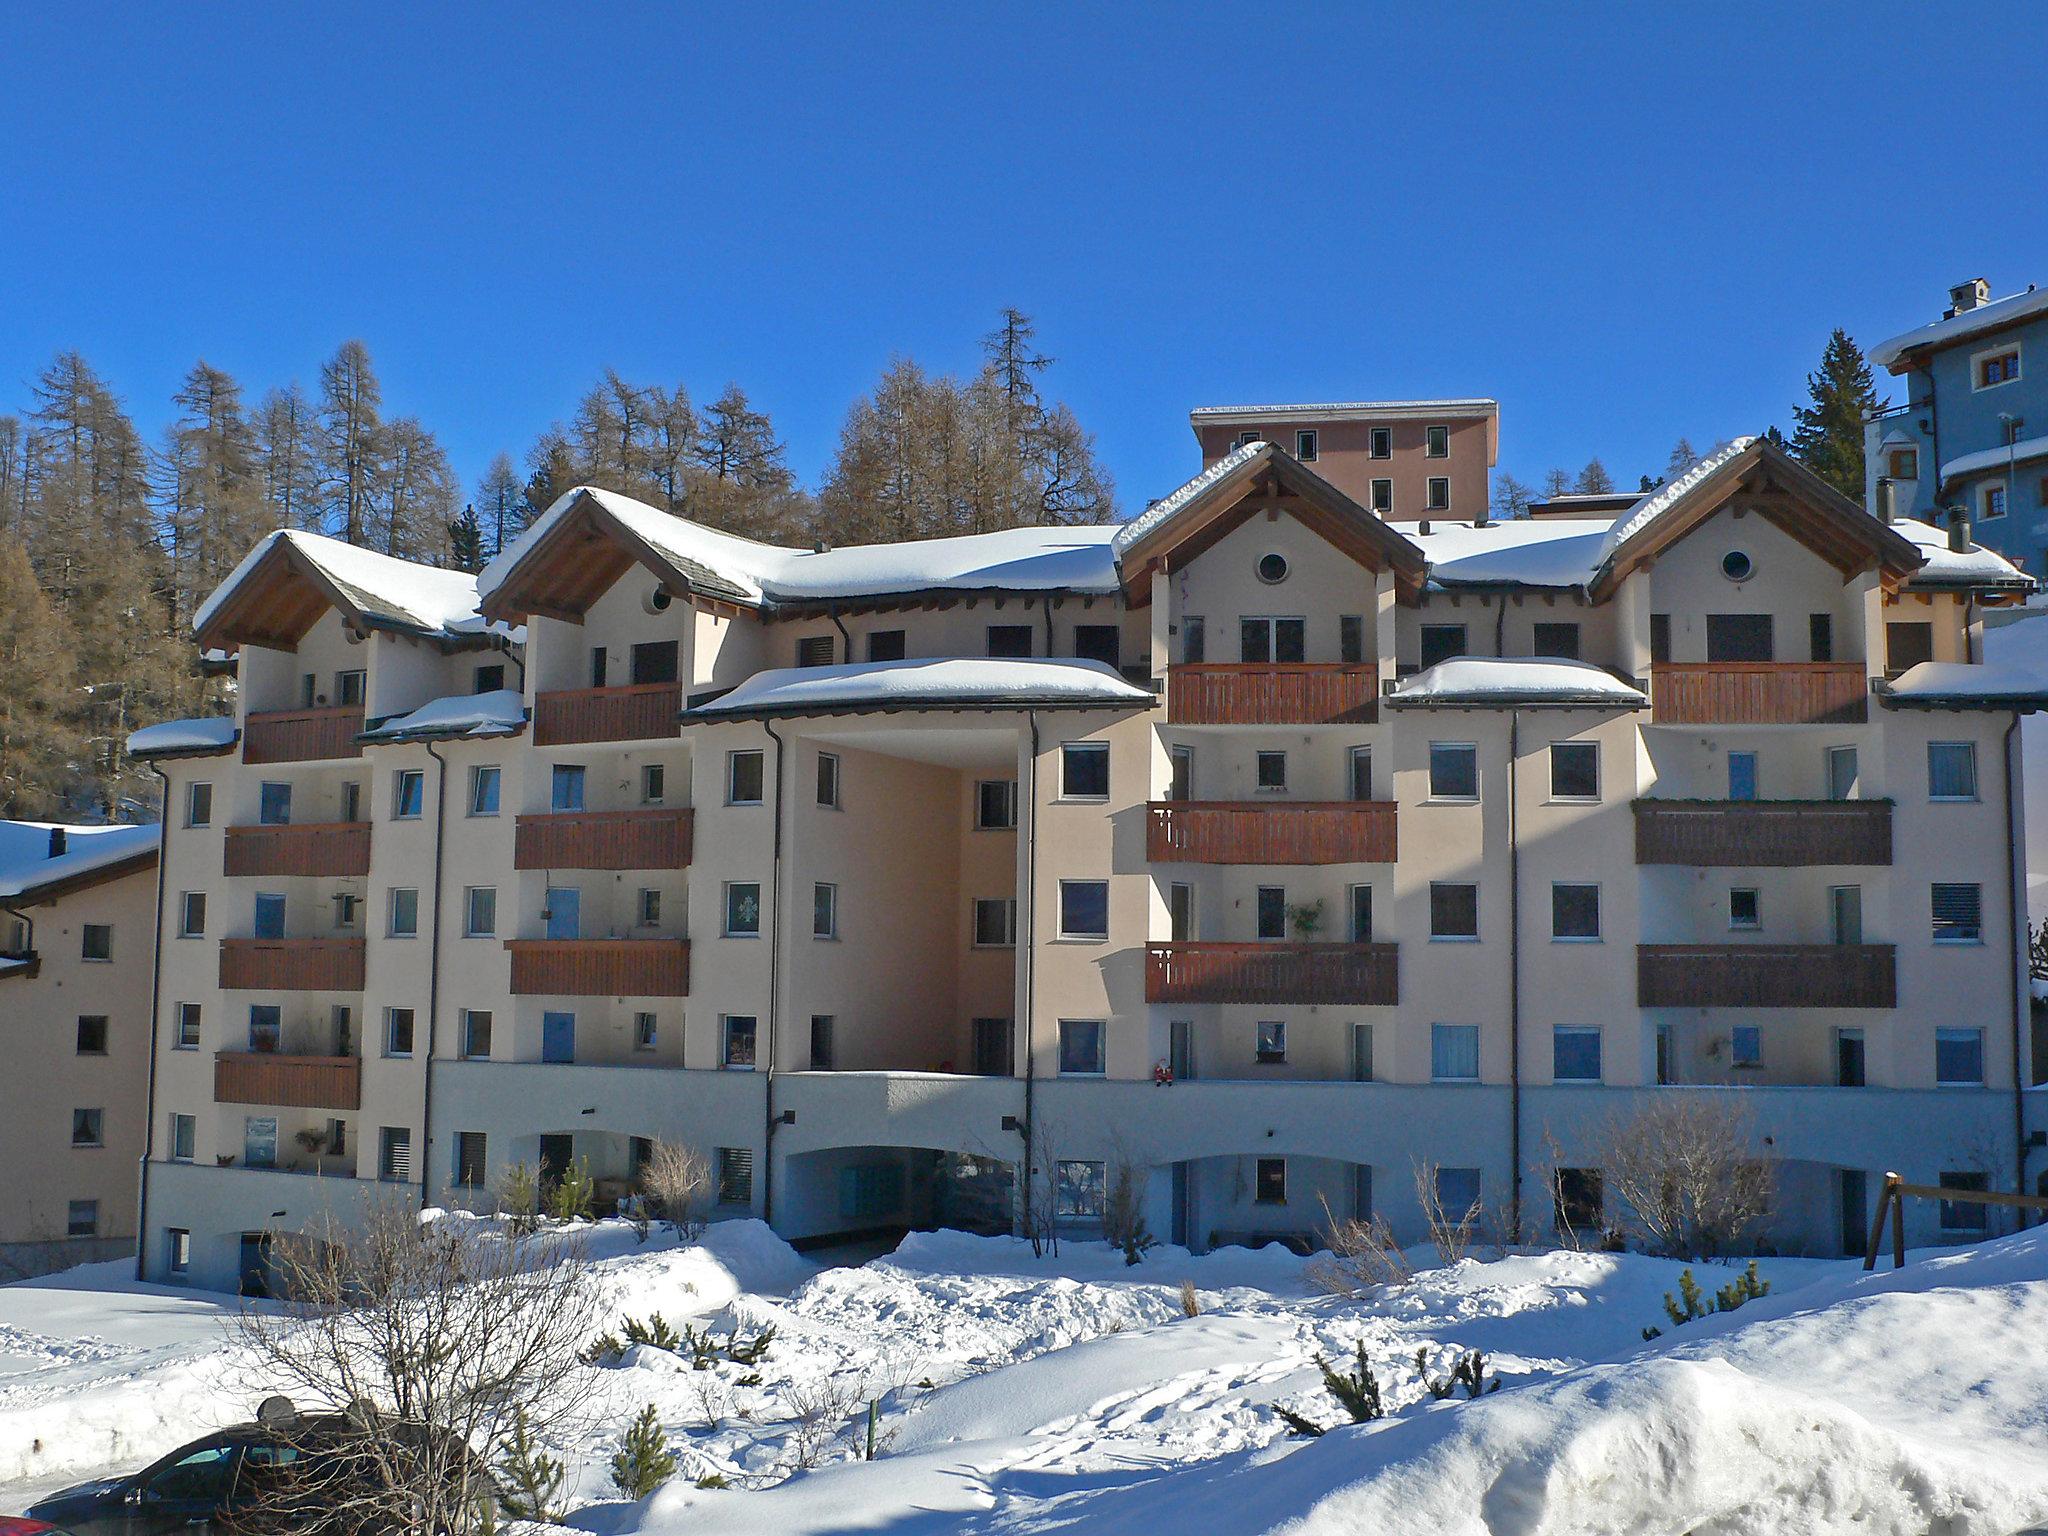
(498, 494)
(38, 743)
(529, 1480)
(1828, 438)
(350, 399)
(1593, 479)
(550, 472)
(643, 1461)
(466, 541)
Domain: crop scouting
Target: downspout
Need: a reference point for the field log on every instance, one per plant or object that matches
(774, 905)
(1514, 985)
(1048, 627)
(156, 987)
(433, 978)
(2015, 904)
(1030, 968)
(832, 612)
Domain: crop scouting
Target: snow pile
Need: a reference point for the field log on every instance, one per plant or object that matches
(215, 733)
(382, 588)
(497, 713)
(1516, 680)
(1944, 565)
(922, 683)
(25, 862)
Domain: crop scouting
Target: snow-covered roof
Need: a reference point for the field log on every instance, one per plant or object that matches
(2014, 682)
(1996, 458)
(1976, 566)
(1157, 514)
(1943, 333)
(1501, 681)
(1338, 409)
(384, 590)
(501, 712)
(944, 683)
(1667, 495)
(215, 733)
(1523, 551)
(26, 866)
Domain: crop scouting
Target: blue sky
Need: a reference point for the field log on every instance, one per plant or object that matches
(1626, 223)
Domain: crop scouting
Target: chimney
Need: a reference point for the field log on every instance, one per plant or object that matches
(1483, 518)
(58, 838)
(1959, 532)
(1887, 500)
(1422, 528)
(1967, 296)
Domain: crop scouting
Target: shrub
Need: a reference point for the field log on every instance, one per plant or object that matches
(519, 1197)
(1357, 1393)
(1468, 1370)
(643, 1461)
(573, 1192)
(677, 1183)
(1690, 1305)
(1190, 1303)
(529, 1480)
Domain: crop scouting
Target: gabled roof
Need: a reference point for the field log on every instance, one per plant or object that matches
(1257, 477)
(953, 682)
(92, 854)
(292, 577)
(1901, 353)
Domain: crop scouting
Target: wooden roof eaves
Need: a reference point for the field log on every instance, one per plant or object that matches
(85, 879)
(586, 515)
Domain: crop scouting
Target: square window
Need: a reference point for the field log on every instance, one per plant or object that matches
(1742, 780)
(480, 911)
(1272, 912)
(1383, 496)
(886, 645)
(1270, 1181)
(476, 1033)
(1009, 639)
(1272, 1041)
(394, 1154)
(88, 1127)
(184, 1137)
(565, 787)
(348, 686)
(1081, 1047)
(409, 794)
(1574, 770)
(1959, 1058)
(740, 1035)
(742, 909)
(1099, 642)
(1575, 1053)
(1574, 911)
(483, 791)
(649, 906)
(1951, 770)
(405, 913)
(646, 1030)
(1454, 1053)
(1438, 495)
(1453, 911)
(1436, 442)
(1084, 770)
(92, 1034)
(1964, 1215)
(653, 783)
(1457, 1194)
(398, 1031)
(96, 942)
(735, 1175)
(198, 805)
(1380, 443)
(744, 776)
(2000, 367)
(995, 923)
(1079, 1189)
(1746, 1045)
(192, 915)
(1084, 909)
(82, 1218)
(266, 1026)
(1453, 771)
(995, 805)
(1559, 639)
(1272, 769)
(1441, 642)
(188, 1027)
(269, 917)
(274, 805)
(1903, 464)
(824, 910)
(177, 1250)
(821, 1042)
(1958, 914)
(814, 651)
(828, 780)
(1745, 907)
(489, 677)
(1305, 446)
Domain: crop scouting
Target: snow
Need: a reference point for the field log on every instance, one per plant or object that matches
(1161, 511)
(1510, 680)
(1523, 551)
(2015, 306)
(422, 598)
(1345, 407)
(944, 683)
(213, 734)
(1976, 565)
(1657, 502)
(2021, 677)
(497, 713)
(1996, 458)
(25, 862)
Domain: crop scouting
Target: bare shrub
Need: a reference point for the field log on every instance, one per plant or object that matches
(1123, 1206)
(1451, 1233)
(1361, 1254)
(1190, 1302)
(1683, 1167)
(518, 1195)
(677, 1183)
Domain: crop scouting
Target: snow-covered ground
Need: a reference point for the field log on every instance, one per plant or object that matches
(1024, 1394)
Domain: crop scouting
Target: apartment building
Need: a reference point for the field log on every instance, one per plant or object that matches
(1265, 845)
(77, 908)
(1397, 458)
(1972, 431)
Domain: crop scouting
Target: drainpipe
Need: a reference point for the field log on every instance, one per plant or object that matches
(1514, 985)
(1030, 966)
(2015, 898)
(832, 612)
(433, 979)
(774, 906)
(156, 987)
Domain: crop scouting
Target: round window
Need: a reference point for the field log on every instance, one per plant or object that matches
(1736, 566)
(1272, 567)
(658, 600)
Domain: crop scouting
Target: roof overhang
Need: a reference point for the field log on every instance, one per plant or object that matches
(582, 556)
(276, 602)
(82, 879)
(912, 704)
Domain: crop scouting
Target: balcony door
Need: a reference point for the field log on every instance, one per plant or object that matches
(1180, 1049)
(1272, 640)
(1739, 637)
(655, 662)
(1180, 912)
(1849, 1058)
(565, 912)
(992, 1056)
(1854, 1191)
(1845, 914)
(558, 1037)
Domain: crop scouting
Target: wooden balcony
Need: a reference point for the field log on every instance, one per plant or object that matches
(1763, 834)
(649, 839)
(1272, 973)
(1270, 832)
(1766, 976)
(636, 712)
(289, 1082)
(1758, 693)
(315, 848)
(600, 967)
(292, 965)
(1279, 693)
(302, 735)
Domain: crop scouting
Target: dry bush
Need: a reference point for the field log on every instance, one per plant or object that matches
(677, 1183)
(1452, 1233)
(1123, 1206)
(1684, 1170)
(1361, 1255)
(1190, 1302)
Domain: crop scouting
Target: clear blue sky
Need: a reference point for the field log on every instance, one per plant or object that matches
(1626, 223)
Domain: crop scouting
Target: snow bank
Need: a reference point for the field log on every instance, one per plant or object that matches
(25, 861)
(214, 734)
(498, 713)
(943, 683)
(1512, 680)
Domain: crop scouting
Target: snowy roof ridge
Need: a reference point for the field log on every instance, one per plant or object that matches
(1995, 458)
(499, 712)
(1516, 680)
(426, 598)
(947, 682)
(1941, 333)
(1164, 508)
(1667, 495)
(26, 866)
(1333, 407)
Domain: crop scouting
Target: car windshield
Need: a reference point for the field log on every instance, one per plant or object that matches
(207, 1473)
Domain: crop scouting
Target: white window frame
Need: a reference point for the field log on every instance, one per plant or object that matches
(400, 778)
(391, 1033)
(1436, 494)
(191, 794)
(469, 1019)
(829, 767)
(1974, 795)
(732, 759)
(1737, 927)
(186, 929)
(1381, 495)
(1478, 1045)
(1987, 493)
(1101, 1067)
(1379, 444)
(1984, 354)
(479, 775)
(1575, 746)
(1307, 444)
(1431, 437)
(1077, 749)
(391, 928)
(470, 930)
(830, 892)
(1083, 937)
(726, 930)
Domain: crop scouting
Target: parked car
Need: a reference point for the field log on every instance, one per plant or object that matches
(17, 1525)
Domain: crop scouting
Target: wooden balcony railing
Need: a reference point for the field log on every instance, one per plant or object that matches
(600, 967)
(302, 735)
(315, 848)
(1272, 973)
(1270, 832)
(1758, 693)
(292, 965)
(1766, 976)
(290, 1082)
(650, 839)
(1763, 834)
(1279, 693)
(636, 712)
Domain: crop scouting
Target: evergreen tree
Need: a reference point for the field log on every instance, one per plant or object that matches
(349, 423)
(38, 742)
(550, 471)
(498, 494)
(1593, 479)
(466, 541)
(1683, 457)
(1828, 437)
(643, 1461)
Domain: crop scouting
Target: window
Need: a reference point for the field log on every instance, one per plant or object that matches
(995, 805)
(1951, 770)
(1305, 445)
(1361, 1053)
(993, 1047)
(1453, 771)
(1380, 443)
(1660, 637)
(1271, 1046)
(394, 1154)
(1246, 439)
(1903, 463)
(1746, 1045)
(885, 645)
(266, 1026)
(348, 687)
(1084, 770)
(1272, 912)
(739, 1035)
(1575, 1053)
(1820, 636)
(398, 1031)
(483, 791)
(1841, 773)
(2000, 367)
(1272, 640)
(184, 1137)
(1745, 907)
(1084, 909)
(1078, 1189)
(1099, 642)
(1845, 914)
(1740, 637)
(408, 794)
(743, 777)
(1849, 1058)
(1581, 1199)
(646, 1030)
(471, 1163)
(1360, 773)
(1180, 778)
(405, 913)
(599, 668)
(1742, 782)
(87, 1127)
(1907, 643)
(649, 904)
(1991, 502)
(96, 942)
(1964, 1215)
(1574, 911)
(480, 911)
(1272, 770)
(192, 915)
(1558, 639)
(1958, 914)
(1436, 442)
(1269, 1182)
(1271, 568)
(653, 661)
(1180, 911)
(1574, 770)
(269, 921)
(346, 904)
(198, 805)
(1351, 638)
(742, 909)
(351, 801)
(1009, 639)
(821, 1042)
(1383, 497)
(828, 779)
(653, 783)
(814, 651)
(92, 1034)
(476, 1033)
(259, 1141)
(1438, 495)
(824, 910)
(565, 790)
(1454, 1053)
(82, 1218)
(1959, 1058)
(1453, 911)
(1737, 566)
(995, 923)
(188, 1027)
(1457, 1194)
(735, 1175)
(1359, 910)
(1081, 1047)
(488, 678)
(177, 1250)
(1440, 642)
